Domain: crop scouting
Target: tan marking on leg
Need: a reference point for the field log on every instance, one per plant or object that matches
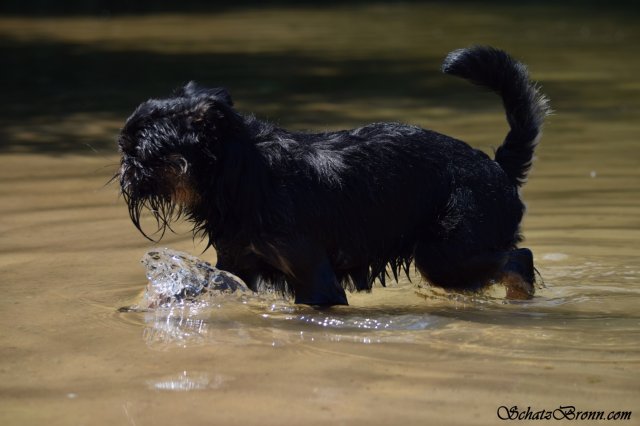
(517, 287)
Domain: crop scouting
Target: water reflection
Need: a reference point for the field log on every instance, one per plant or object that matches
(187, 381)
(185, 325)
(261, 321)
(579, 299)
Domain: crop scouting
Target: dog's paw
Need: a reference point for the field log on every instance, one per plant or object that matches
(517, 287)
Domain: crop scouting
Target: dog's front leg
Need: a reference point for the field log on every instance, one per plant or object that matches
(308, 271)
(243, 266)
(316, 284)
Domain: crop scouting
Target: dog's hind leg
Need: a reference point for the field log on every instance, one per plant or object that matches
(518, 275)
(452, 265)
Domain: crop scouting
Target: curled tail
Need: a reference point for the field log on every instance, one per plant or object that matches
(525, 106)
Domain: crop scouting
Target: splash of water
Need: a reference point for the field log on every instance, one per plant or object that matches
(176, 277)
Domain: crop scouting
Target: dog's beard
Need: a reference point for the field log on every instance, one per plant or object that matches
(162, 209)
(141, 193)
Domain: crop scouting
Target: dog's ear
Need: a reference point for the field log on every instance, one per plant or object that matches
(212, 113)
(193, 90)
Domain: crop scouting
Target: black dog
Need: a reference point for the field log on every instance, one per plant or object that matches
(313, 213)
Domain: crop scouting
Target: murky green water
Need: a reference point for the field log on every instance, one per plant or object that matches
(69, 256)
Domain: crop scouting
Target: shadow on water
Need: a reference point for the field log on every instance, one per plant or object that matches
(68, 87)
(45, 81)
(57, 80)
(78, 78)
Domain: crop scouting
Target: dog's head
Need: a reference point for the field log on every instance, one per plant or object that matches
(168, 147)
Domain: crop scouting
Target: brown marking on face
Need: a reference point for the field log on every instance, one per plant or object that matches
(184, 194)
(177, 178)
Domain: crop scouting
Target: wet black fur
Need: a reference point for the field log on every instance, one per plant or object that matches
(313, 213)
